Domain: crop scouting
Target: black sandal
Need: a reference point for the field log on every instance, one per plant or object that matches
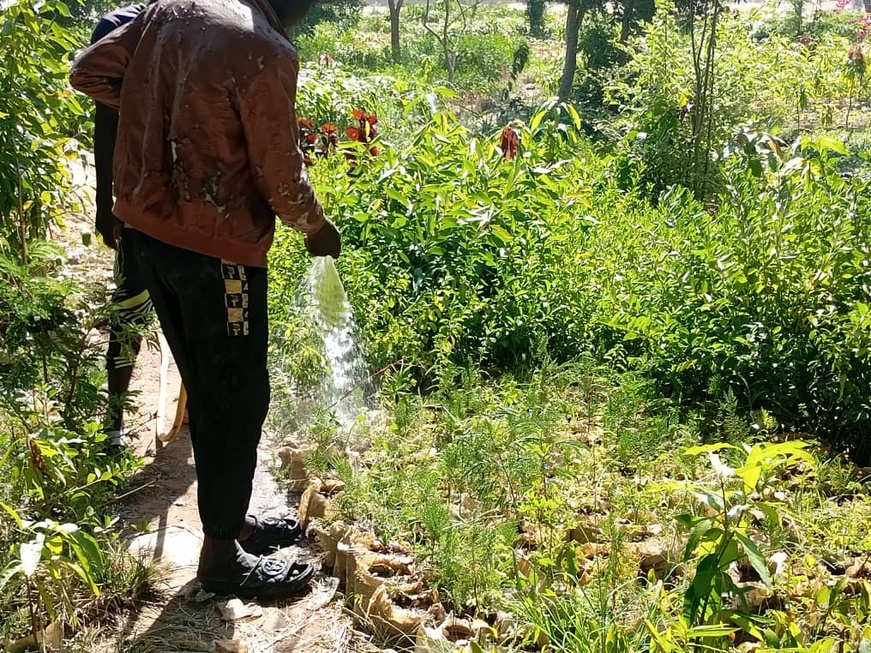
(269, 579)
(270, 534)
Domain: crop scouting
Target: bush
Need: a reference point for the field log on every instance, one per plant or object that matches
(50, 377)
(773, 82)
(329, 93)
(765, 297)
(484, 55)
(454, 254)
(57, 476)
(346, 46)
(38, 116)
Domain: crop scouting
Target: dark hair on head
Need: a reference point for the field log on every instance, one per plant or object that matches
(291, 12)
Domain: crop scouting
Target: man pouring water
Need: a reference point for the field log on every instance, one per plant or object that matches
(206, 156)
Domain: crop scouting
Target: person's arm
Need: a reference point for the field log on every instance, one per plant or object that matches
(105, 130)
(266, 107)
(99, 70)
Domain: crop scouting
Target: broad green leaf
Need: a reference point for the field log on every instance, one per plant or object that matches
(12, 512)
(87, 551)
(87, 577)
(501, 233)
(826, 142)
(10, 572)
(658, 639)
(754, 556)
(698, 532)
(712, 631)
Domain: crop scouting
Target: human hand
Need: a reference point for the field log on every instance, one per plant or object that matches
(108, 226)
(326, 241)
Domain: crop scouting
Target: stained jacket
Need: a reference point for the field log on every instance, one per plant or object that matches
(207, 150)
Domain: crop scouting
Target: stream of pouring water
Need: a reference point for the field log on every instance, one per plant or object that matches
(347, 387)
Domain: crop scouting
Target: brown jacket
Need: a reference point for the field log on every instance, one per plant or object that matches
(207, 152)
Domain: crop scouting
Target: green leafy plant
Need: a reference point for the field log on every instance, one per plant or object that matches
(726, 534)
(39, 115)
(49, 554)
(854, 69)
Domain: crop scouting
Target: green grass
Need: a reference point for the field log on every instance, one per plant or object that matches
(473, 477)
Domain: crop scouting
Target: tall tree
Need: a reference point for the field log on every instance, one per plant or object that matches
(535, 12)
(395, 6)
(574, 17)
(703, 24)
(340, 12)
(626, 13)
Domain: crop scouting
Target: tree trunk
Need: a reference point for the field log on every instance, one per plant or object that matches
(573, 25)
(395, 7)
(535, 14)
(450, 59)
(626, 20)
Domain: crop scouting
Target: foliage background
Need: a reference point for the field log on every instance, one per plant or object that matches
(549, 330)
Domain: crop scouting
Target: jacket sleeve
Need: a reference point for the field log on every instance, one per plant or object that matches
(99, 70)
(267, 110)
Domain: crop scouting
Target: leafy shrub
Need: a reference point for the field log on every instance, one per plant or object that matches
(341, 13)
(329, 94)
(51, 376)
(484, 54)
(38, 115)
(454, 254)
(348, 46)
(765, 297)
(772, 81)
(823, 23)
(599, 52)
(485, 59)
(56, 475)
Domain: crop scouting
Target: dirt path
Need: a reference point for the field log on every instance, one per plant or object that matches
(184, 618)
(160, 514)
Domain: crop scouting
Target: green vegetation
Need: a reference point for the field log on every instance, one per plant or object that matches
(622, 342)
(620, 351)
(59, 560)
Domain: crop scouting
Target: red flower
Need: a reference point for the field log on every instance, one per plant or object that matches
(329, 137)
(509, 143)
(364, 132)
(307, 139)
